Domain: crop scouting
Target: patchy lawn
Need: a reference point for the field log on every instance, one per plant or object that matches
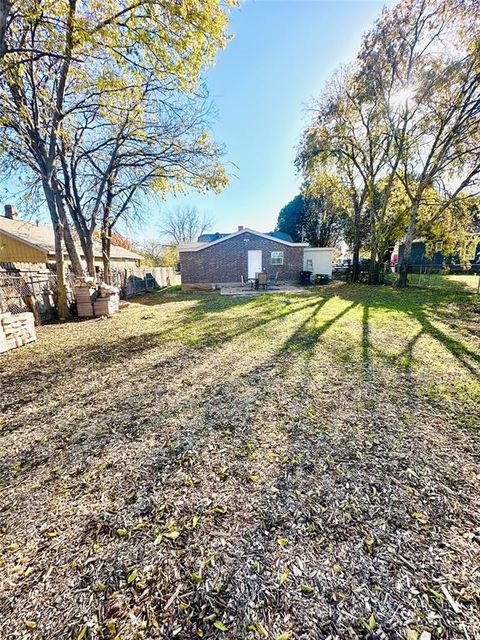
(302, 467)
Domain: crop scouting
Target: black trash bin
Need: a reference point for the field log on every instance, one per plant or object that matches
(322, 278)
(305, 277)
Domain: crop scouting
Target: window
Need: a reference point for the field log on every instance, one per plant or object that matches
(309, 265)
(277, 257)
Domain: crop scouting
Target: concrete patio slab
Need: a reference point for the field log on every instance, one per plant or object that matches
(246, 291)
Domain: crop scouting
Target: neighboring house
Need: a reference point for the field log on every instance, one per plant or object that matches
(238, 256)
(210, 237)
(438, 260)
(24, 242)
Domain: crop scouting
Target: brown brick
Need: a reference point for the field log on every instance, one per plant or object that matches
(227, 261)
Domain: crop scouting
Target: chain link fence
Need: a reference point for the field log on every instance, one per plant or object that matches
(34, 291)
(23, 289)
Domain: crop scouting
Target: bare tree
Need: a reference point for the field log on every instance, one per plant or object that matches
(184, 224)
(150, 140)
(57, 62)
(152, 250)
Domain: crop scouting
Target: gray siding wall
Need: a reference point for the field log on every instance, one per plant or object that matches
(227, 261)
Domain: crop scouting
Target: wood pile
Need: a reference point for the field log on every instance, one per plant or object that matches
(92, 302)
(85, 297)
(106, 306)
(16, 330)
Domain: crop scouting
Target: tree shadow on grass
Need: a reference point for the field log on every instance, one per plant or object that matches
(424, 310)
(305, 337)
(114, 354)
(465, 356)
(366, 358)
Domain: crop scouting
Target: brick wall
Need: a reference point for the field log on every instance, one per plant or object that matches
(227, 261)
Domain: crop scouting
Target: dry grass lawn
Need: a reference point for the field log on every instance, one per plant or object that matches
(302, 467)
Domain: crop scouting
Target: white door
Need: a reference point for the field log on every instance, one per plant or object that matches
(254, 262)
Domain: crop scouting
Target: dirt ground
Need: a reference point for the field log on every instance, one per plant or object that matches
(282, 467)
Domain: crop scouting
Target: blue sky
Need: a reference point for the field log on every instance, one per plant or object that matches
(282, 54)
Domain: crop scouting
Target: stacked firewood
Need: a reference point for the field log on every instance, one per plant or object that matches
(85, 297)
(108, 300)
(106, 306)
(16, 330)
(103, 301)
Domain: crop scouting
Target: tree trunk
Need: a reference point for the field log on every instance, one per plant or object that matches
(407, 247)
(356, 262)
(72, 251)
(106, 242)
(59, 259)
(85, 236)
(5, 6)
(373, 268)
(357, 210)
(62, 302)
(90, 257)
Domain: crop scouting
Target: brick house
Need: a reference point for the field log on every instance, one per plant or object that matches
(228, 259)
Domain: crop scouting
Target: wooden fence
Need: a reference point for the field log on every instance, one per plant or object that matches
(137, 280)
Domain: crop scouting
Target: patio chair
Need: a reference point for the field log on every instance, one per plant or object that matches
(272, 281)
(262, 280)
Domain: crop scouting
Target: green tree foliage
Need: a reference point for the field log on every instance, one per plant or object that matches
(422, 59)
(318, 215)
(326, 210)
(400, 127)
(157, 254)
(291, 218)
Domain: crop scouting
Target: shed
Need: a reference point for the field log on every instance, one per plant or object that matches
(318, 260)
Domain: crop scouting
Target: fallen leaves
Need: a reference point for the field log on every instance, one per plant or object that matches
(369, 542)
(283, 577)
(421, 517)
(278, 486)
(218, 624)
(259, 629)
(132, 576)
(83, 632)
(308, 589)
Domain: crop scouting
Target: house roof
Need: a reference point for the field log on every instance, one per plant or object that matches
(198, 246)
(191, 246)
(41, 237)
(210, 237)
(280, 235)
